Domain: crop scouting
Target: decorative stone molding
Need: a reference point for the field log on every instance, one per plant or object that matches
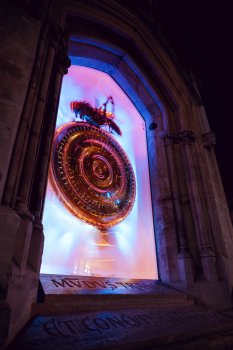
(186, 137)
(169, 137)
(153, 126)
(63, 62)
(209, 140)
(56, 35)
(59, 43)
(23, 212)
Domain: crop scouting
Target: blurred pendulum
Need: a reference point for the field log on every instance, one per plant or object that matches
(105, 239)
(90, 172)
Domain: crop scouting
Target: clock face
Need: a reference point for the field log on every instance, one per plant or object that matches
(92, 175)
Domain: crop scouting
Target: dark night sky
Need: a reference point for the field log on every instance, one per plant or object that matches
(201, 34)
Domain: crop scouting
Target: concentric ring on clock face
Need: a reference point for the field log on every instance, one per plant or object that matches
(92, 175)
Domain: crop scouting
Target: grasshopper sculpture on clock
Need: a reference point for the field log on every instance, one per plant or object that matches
(90, 172)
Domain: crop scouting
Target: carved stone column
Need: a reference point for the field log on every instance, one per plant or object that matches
(20, 33)
(36, 247)
(26, 121)
(35, 131)
(171, 139)
(217, 207)
(197, 200)
(60, 67)
(19, 37)
(21, 240)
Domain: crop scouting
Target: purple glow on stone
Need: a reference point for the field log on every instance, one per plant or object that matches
(74, 247)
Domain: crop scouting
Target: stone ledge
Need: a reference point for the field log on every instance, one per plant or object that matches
(76, 285)
(68, 294)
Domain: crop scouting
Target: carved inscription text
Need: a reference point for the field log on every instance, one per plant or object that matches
(103, 284)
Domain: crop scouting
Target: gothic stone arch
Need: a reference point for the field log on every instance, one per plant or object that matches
(192, 225)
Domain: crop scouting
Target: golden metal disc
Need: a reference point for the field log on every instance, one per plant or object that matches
(92, 175)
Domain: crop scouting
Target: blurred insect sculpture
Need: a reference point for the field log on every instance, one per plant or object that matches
(97, 116)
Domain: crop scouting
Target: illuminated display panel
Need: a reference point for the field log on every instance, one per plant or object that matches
(73, 246)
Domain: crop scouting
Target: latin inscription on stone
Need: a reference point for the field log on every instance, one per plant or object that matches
(78, 283)
(58, 284)
(110, 328)
(107, 321)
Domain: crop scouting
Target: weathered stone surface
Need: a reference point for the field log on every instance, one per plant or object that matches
(128, 329)
(18, 46)
(63, 294)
